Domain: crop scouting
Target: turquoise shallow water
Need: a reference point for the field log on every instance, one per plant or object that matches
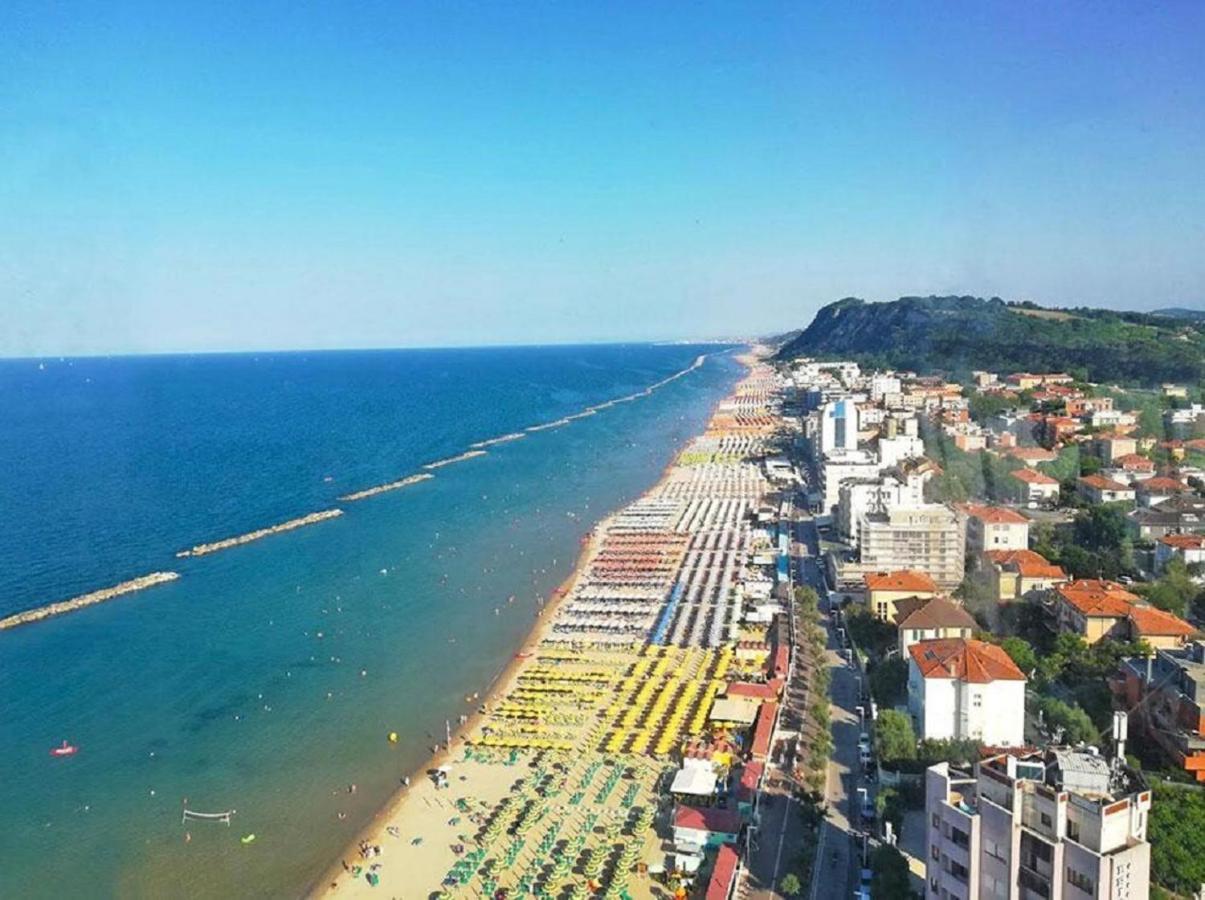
(267, 677)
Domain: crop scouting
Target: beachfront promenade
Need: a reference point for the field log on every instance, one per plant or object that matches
(663, 656)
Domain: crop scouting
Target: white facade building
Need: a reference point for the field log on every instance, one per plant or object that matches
(1056, 826)
(882, 385)
(837, 467)
(929, 539)
(903, 446)
(966, 689)
(859, 497)
(839, 425)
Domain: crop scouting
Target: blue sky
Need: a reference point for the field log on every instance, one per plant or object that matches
(277, 175)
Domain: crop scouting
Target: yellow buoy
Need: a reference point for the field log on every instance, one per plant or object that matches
(393, 737)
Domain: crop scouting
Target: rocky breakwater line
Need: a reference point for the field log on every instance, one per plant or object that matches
(66, 606)
(390, 486)
(214, 547)
(459, 457)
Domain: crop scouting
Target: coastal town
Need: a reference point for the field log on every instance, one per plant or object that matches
(873, 634)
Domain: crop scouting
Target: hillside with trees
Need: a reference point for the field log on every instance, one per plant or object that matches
(955, 335)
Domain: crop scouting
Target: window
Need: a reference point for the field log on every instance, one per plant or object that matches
(960, 838)
(1081, 881)
(936, 821)
(933, 852)
(1046, 820)
(959, 871)
(995, 851)
(1031, 881)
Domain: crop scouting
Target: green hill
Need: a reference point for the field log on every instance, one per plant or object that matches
(958, 334)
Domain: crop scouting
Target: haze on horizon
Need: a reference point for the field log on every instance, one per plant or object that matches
(275, 176)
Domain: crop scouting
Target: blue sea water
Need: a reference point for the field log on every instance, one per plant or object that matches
(268, 676)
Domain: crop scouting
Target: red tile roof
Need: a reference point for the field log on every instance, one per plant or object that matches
(994, 515)
(1033, 454)
(779, 663)
(750, 779)
(1161, 484)
(767, 691)
(903, 580)
(720, 885)
(1157, 623)
(1184, 541)
(1097, 598)
(1100, 483)
(1134, 462)
(763, 730)
(1033, 476)
(976, 662)
(717, 821)
(1027, 563)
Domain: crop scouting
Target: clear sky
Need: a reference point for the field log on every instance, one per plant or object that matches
(278, 175)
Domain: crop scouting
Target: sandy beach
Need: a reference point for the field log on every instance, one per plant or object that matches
(556, 781)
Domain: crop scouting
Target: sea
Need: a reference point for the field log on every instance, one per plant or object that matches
(267, 678)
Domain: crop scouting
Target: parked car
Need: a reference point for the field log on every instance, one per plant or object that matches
(866, 758)
(863, 890)
(867, 810)
(864, 741)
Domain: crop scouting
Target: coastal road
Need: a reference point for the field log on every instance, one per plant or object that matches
(838, 858)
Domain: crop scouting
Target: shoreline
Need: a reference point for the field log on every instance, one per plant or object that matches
(374, 831)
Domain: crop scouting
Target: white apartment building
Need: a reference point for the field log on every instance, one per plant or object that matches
(839, 425)
(966, 689)
(882, 385)
(929, 539)
(994, 528)
(900, 447)
(858, 497)
(1053, 826)
(838, 466)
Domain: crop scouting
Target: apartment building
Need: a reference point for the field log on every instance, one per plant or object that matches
(929, 539)
(994, 528)
(1167, 695)
(962, 688)
(859, 496)
(1059, 825)
(842, 465)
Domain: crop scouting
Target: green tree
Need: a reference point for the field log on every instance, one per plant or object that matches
(790, 885)
(1174, 591)
(1076, 725)
(869, 633)
(890, 879)
(976, 595)
(1176, 831)
(1021, 652)
(889, 682)
(893, 736)
(955, 751)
